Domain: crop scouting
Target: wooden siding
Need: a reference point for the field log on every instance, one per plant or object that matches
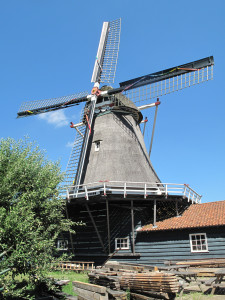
(156, 247)
(153, 247)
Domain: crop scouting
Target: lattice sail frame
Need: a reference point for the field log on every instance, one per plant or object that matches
(39, 106)
(106, 61)
(157, 89)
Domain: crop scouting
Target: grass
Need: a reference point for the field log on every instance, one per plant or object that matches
(69, 275)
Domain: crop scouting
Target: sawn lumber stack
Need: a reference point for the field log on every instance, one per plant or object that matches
(159, 282)
(154, 281)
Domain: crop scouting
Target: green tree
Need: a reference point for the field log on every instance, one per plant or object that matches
(31, 212)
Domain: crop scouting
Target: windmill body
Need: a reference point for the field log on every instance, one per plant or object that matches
(116, 149)
(110, 183)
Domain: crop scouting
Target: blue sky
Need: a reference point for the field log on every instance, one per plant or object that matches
(48, 48)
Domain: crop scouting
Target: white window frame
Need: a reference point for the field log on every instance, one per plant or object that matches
(97, 145)
(64, 243)
(119, 241)
(194, 245)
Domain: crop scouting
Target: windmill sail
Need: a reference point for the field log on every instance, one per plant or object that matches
(107, 55)
(41, 106)
(170, 85)
(164, 82)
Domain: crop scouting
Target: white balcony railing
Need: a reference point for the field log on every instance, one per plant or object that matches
(144, 189)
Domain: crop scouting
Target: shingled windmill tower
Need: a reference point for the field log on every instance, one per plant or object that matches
(110, 182)
(116, 149)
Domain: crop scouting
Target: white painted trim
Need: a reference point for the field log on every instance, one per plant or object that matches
(65, 244)
(191, 242)
(97, 145)
(122, 248)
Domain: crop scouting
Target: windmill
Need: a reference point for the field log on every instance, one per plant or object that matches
(109, 156)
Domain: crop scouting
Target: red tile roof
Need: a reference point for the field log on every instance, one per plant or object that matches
(197, 215)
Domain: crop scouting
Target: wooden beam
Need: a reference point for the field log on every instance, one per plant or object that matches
(90, 287)
(132, 225)
(108, 225)
(154, 217)
(177, 209)
(96, 229)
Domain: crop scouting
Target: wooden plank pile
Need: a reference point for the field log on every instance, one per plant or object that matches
(154, 281)
(88, 291)
(139, 282)
(124, 267)
(106, 278)
(209, 263)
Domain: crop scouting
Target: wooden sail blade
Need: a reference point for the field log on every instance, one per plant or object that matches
(41, 106)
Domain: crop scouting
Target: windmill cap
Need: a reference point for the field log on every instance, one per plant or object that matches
(106, 88)
(124, 104)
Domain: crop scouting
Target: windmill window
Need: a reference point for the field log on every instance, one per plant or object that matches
(62, 244)
(121, 243)
(97, 145)
(198, 242)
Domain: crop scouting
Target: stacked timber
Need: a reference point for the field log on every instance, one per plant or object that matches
(105, 278)
(115, 266)
(209, 263)
(116, 295)
(87, 291)
(90, 291)
(154, 281)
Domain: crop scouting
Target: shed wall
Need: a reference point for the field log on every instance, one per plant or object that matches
(156, 247)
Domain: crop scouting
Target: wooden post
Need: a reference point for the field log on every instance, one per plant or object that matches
(108, 225)
(154, 220)
(177, 209)
(132, 225)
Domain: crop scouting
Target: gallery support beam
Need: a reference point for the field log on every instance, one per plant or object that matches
(108, 225)
(177, 212)
(132, 225)
(154, 214)
(96, 229)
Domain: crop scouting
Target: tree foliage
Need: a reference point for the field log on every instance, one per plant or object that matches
(31, 210)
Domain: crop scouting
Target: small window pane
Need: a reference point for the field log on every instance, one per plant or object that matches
(62, 244)
(121, 243)
(198, 242)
